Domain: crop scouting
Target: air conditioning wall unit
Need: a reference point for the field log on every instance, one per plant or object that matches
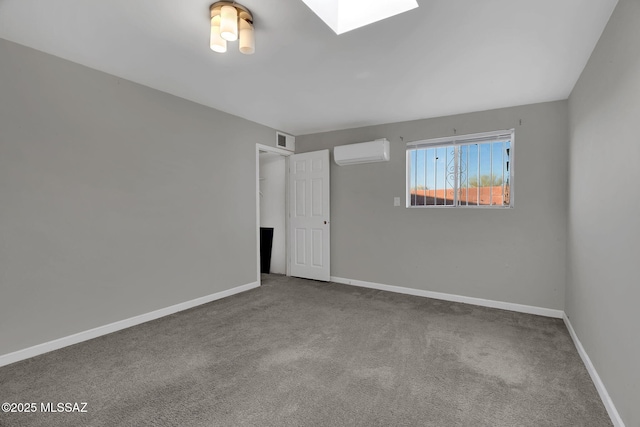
(286, 141)
(363, 152)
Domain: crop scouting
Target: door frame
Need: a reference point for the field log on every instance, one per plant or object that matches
(285, 154)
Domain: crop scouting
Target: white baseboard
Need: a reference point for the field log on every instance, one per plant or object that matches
(46, 347)
(602, 391)
(529, 309)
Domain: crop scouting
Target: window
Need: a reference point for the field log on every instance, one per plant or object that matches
(461, 171)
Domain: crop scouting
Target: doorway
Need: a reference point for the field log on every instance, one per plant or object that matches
(271, 209)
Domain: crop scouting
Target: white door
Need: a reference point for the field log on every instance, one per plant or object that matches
(309, 215)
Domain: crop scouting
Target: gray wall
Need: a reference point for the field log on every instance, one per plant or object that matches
(514, 255)
(604, 212)
(115, 199)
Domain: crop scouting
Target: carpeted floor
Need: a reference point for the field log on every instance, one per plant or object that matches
(296, 352)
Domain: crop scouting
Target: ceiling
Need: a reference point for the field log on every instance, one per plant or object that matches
(444, 57)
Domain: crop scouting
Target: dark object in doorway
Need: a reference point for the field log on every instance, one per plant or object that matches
(266, 243)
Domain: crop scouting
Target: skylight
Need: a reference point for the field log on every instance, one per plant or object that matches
(346, 15)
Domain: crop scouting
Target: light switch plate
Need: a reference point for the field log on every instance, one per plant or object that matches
(396, 201)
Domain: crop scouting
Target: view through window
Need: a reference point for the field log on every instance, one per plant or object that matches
(462, 171)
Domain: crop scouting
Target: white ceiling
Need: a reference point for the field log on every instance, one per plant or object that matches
(444, 57)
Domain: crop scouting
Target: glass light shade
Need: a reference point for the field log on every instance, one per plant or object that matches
(247, 39)
(218, 44)
(229, 23)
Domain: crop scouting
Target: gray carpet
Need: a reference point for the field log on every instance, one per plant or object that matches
(296, 352)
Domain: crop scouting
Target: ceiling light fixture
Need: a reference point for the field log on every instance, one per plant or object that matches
(230, 21)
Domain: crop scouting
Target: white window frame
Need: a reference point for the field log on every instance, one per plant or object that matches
(482, 137)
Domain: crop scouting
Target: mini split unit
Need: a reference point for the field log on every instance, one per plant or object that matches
(363, 152)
